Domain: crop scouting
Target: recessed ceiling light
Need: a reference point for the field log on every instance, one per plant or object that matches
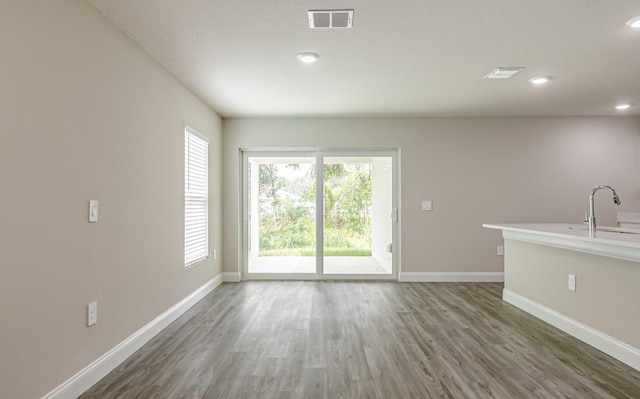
(308, 57)
(622, 107)
(539, 80)
(634, 22)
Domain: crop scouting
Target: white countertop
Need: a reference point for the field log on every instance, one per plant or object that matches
(608, 241)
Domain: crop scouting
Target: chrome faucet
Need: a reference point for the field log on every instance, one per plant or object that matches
(591, 217)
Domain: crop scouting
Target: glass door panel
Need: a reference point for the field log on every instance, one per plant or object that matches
(357, 225)
(281, 215)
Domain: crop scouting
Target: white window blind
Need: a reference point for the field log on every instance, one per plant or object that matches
(196, 197)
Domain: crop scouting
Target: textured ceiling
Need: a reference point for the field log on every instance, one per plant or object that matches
(401, 58)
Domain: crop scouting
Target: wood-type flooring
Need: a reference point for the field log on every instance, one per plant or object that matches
(354, 339)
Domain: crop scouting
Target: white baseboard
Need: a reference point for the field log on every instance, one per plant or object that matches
(231, 277)
(94, 372)
(455, 277)
(607, 344)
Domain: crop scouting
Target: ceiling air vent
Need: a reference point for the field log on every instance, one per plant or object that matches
(504, 72)
(330, 19)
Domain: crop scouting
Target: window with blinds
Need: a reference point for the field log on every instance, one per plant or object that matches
(196, 197)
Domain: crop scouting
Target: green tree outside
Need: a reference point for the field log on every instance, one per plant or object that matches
(287, 210)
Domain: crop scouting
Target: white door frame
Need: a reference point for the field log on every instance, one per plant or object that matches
(319, 154)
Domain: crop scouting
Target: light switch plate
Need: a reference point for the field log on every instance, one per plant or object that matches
(427, 205)
(93, 211)
(92, 313)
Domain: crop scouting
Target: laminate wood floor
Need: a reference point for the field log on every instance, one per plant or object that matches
(336, 339)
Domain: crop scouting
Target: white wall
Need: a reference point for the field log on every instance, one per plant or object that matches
(475, 170)
(86, 114)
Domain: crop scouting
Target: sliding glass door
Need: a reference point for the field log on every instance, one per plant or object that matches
(357, 229)
(320, 214)
(281, 223)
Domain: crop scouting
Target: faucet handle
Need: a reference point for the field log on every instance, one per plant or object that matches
(586, 218)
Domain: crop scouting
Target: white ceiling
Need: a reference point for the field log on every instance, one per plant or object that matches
(401, 58)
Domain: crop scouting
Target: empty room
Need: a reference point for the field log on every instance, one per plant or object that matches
(319, 199)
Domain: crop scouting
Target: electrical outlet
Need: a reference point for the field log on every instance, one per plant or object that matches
(215, 254)
(427, 205)
(92, 314)
(500, 250)
(572, 282)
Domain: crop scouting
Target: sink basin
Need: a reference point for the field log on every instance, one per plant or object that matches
(609, 230)
(618, 231)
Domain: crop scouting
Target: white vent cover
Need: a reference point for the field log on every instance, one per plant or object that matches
(504, 72)
(330, 19)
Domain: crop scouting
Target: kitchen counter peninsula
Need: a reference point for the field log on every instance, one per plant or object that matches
(602, 306)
